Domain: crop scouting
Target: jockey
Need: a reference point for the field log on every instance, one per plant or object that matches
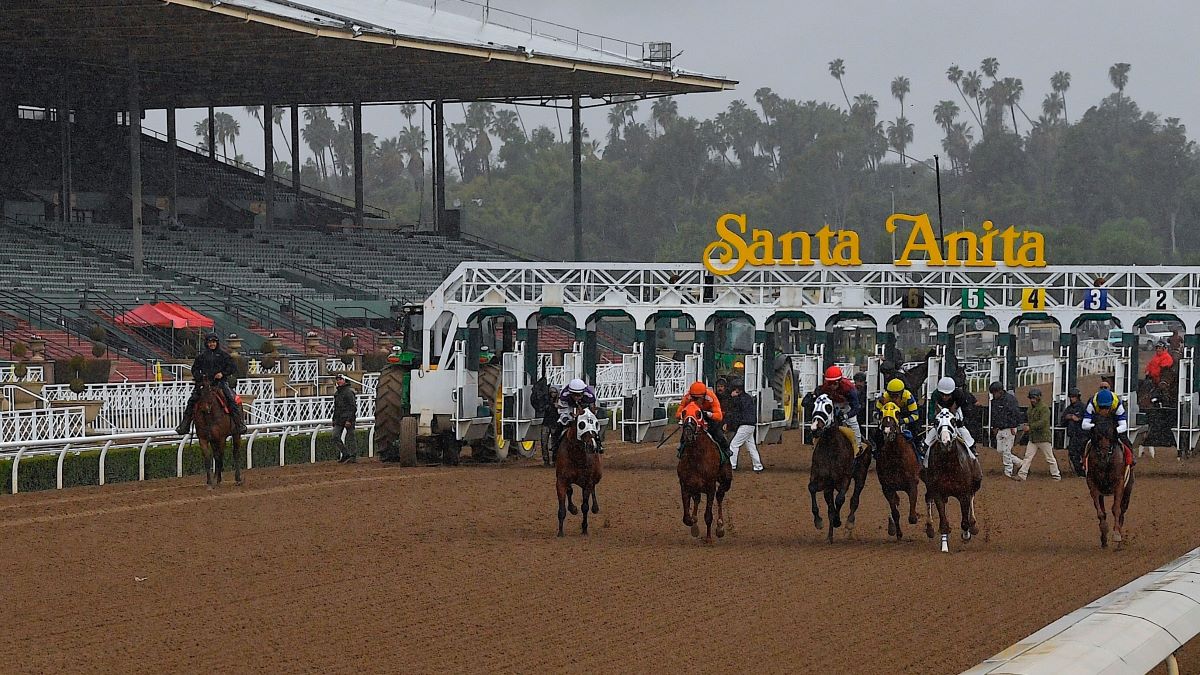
(844, 395)
(707, 400)
(218, 366)
(897, 393)
(1162, 361)
(952, 398)
(576, 394)
(1107, 403)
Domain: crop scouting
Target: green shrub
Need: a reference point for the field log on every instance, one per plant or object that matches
(95, 371)
(98, 349)
(374, 362)
(347, 342)
(78, 385)
(19, 350)
(97, 333)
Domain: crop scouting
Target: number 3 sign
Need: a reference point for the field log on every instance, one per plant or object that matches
(1095, 299)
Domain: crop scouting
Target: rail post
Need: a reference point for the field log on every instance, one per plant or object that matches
(142, 459)
(312, 447)
(283, 445)
(16, 461)
(179, 457)
(250, 449)
(103, 455)
(62, 456)
(371, 441)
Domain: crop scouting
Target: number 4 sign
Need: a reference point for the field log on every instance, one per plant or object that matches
(1095, 299)
(1033, 299)
(973, 298)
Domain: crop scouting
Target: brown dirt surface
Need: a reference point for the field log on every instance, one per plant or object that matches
(374, 568)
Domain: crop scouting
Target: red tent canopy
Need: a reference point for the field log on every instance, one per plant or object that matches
(195, 319)
(163, 315)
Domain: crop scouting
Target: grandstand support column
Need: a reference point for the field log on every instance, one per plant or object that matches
(359, 196)
(173, 166)
(135, 160)
(64, 127)
(296, 152)
(212, 133)
(577, 175)
(439, 166)
(268, 165)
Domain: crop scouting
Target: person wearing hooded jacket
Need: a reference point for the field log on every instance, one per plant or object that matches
(217, 366)
(345, 414)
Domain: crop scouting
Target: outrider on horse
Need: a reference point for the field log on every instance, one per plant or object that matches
(213, 425)
(216, 367)
(1108, 466)
(703, 471)
(577, 462)
(952, 472)
(834, 465)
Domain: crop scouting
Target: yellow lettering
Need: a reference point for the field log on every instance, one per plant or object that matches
(823, 249)
(762, 251)
(1033, 250)
(1009, 237)
(846, 250)
(731, 250)
(986, 243)
(787, 257)
(921, 239)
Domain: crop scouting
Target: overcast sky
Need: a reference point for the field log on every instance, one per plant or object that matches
(786, 45)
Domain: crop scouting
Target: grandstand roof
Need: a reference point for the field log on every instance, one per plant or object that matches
(194, 53)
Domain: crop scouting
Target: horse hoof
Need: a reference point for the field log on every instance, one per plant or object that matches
(595, 509)
(695, 530)
(974, 530)
(929, 530)
(850, 525)
(819, 525)
(891, 528)
(708, 540)
(240, 482)
(966, 535)
(912, 520)
(837, 522)
(573, 509)
(1116, 536)
(560, 534)
(720, 530)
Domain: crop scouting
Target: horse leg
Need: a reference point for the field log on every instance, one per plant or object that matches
(834, 520)
(237, 460)
(570, 496)
(893, 498)
(839, 500)
(973, 523)
(708, 517)
(928, 515)
(561, 489)
(206, 453)
(912, 490)
(964, 505)
(595, 500)
(943, 523)
(687, 503)
(1118, 500)
(219, 458)
(584, 506)
(860, 481)
(1098, 503)
(722, 488)
(812, 493)
(695, 513)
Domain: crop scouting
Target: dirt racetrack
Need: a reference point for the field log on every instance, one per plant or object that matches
(373, 568)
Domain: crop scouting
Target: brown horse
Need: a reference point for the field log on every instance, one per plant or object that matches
(577, 463)
(701, 473)
(833, 466)
(213, 426)
(898, 470)
(1108, 475)
(951, 473)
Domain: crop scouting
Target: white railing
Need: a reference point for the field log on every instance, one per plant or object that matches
(1131, 630)
(255, 367)
(369, 382)
(1094, 365)
(556, 376)
(275, 410)
(336, 365)
(6, 394)
(1028, 376)
(175, 371)
(17, 450)
(258, 387)
(304, 371)
(608, 382)
(32, 374)
(130, 406)
(34, 425)
(669, 379)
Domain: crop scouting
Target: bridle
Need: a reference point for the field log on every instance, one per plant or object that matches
(823, 414)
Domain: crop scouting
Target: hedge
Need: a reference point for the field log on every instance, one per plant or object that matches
(39, 472)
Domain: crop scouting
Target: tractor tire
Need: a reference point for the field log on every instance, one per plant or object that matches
(389, 414)
(408, 441)
(491, 447)
(783, 384)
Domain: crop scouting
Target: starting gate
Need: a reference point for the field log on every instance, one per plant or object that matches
(1189, 405)
(518, 420)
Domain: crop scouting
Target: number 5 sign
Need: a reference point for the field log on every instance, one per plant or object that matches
(1033, 299)
(1095, 299)
(973, 298)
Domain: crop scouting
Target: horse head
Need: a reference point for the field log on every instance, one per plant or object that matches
(587, 428)
(944, 423)
(823, 415)
(1104, 435)
(692, 421)
(889, 421)
(206, 396)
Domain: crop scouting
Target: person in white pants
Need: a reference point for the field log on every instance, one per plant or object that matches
(742, 418)
(1006, 419)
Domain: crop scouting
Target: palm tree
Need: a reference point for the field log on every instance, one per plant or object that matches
(663, 112)
(955, 75)
(1013, 89)
(1118, 74)
(944, 113)
(480, 117)
(408, 110)
(1052, 107)
(900, 89)
(973, 87)
(228, 129)
(411, 142)
(837, 68)
(616, 120)
(958, 146)
(1060, 82)
(457, 135)
(900, 134)
(318, 133)
(202, 133)
(990, 66)
(277, 118)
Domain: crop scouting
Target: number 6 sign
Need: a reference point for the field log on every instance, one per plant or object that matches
(1095, 299)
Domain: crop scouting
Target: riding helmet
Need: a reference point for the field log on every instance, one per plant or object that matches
(946, 385)
(576, 386)
(895, 385)
(1104, 398)
(1035, 393)
(833, 373)
(697, 389)
(1161, 343)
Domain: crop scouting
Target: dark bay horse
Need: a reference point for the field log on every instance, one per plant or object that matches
(577, 463)
(951, 473)
(701, 473)
(897, 469)
(1108, 474)
(213, 425)
(833, 466)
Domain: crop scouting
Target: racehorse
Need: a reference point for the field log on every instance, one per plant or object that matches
(578, 463)
(833, 466)
(951, 473)
(214, 423)
(701, 473)
(898, 469)
(1108, 474)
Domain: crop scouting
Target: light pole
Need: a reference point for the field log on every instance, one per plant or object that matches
(892, 190)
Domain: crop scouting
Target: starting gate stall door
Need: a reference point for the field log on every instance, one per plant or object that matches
(643, 420)
(517, 416)
(808, 378)
(875, 386)
(468, 424)
(1058, 394)
(573, 362)
(1189, 407)
(1125, 383)
(693, 366)
(936, 367)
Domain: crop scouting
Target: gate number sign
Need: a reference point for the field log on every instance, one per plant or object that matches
(1095, 299)
(1033, 299)
(973, 298)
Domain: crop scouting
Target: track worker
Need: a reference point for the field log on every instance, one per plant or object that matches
(345, 414)
(742, 418)
(1072, 419)
(1006, 419)
(706, 399)
(1040, 437)
(217, 366)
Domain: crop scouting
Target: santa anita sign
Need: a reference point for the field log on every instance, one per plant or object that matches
(840, 248)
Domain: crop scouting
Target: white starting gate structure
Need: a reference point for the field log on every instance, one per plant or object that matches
(764, 295)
